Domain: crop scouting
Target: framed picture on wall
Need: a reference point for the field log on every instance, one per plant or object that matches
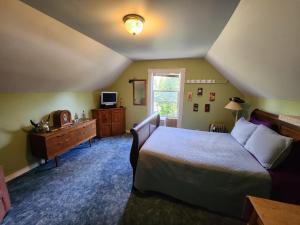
(207, 108)
(195, 107)
(200, 91)
(190, 96)
(212, 96)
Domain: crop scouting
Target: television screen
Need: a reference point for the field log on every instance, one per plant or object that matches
(108, 98)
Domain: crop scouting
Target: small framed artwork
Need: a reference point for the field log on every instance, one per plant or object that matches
(212, 96)
(200, 91)
(207, 107)
(195, 107)
(190, 96)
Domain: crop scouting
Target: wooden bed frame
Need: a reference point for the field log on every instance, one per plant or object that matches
(140, 134)
(143, 131)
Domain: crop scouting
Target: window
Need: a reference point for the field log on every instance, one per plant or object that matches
(166, 88)
(166, 94)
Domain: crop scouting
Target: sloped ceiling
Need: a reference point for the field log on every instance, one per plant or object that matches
(40, 54)
(258, 50)
(173, 29)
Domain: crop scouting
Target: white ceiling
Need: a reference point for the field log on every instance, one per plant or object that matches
(173, 29)
(40, 54)
(259, 49)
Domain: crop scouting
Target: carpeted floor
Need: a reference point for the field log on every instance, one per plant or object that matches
(93, 186)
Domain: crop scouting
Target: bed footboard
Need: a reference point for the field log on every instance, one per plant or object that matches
(140, 134)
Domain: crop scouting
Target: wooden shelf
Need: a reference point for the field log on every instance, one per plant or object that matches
(205, 82)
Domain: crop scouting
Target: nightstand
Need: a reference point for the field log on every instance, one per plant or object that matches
(4, 196)
(260, 211)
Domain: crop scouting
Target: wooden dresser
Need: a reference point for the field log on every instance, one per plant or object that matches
(110, 122)
(50, 145)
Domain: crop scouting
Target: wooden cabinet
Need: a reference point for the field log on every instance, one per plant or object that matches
(50, 145)
(110, 122)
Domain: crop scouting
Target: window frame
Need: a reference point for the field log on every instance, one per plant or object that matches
(181, 74)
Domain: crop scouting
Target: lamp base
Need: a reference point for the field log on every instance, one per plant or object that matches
(236, 116)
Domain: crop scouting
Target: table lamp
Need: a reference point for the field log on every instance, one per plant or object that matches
(234, 105)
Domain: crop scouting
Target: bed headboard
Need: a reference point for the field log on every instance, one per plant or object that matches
(281, 127)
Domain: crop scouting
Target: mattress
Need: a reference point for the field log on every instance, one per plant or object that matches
(206, 169)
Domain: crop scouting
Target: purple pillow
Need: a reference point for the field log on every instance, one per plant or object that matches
(265, 123)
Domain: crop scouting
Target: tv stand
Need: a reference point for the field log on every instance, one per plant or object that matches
(108, 106)
(109, 122)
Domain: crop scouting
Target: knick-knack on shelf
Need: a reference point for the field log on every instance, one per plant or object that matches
(76, 118)
(83, 115)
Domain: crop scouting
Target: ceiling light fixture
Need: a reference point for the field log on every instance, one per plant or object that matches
(133, 23)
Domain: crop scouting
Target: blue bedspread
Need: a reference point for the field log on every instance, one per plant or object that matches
(210, 170)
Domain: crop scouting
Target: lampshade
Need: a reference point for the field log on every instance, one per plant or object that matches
(133, 23)
(233, 106)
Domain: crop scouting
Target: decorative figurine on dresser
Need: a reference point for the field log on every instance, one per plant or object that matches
(63, 136)
(42, 126)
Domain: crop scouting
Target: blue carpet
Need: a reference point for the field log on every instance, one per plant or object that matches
(93, 186)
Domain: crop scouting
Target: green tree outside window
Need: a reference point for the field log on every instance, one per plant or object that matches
(166, 89)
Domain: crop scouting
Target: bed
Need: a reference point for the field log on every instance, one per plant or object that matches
(206, 169)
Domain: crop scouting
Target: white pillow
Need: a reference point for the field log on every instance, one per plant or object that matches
(243, 130)
(268, 147)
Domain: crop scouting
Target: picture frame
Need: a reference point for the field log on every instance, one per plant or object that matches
(195, 107)
(207, 107)
(212, 96)
(199, 91)
(190, 96)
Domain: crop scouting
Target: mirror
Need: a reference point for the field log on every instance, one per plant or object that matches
(139, 92)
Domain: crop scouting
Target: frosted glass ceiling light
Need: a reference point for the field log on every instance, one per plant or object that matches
(133, 23)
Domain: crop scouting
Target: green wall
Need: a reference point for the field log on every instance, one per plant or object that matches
(195, 69)
(16, 111)
(275, 105)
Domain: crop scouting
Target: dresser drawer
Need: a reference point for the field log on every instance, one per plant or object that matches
(56, 145)
(53, 148)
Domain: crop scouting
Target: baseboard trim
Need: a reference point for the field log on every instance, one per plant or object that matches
(21, 171)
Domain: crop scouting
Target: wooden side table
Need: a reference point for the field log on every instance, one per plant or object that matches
(260, 211)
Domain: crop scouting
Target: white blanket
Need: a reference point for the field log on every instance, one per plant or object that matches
(207, 169)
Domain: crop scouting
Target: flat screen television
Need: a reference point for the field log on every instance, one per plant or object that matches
(108, 98)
